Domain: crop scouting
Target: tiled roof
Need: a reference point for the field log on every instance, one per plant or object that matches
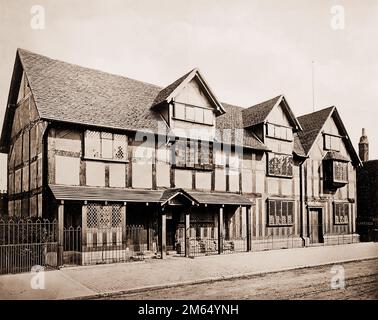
(164, 93)
(72, 93)
(61, 192)
(233, 119)
(334, 155)
(312, 124)
(259, 112)
(298, 148)
(75, 94)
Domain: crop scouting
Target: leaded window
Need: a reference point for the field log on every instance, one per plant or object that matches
(193, 154)
(105, 145)
(280, 212)
(104, 216)
(341, 212)
(280, 165)
(340, 171)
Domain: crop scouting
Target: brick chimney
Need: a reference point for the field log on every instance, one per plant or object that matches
(363, 147)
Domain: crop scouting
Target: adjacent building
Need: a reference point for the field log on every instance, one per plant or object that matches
(367, 177)
(106, 153)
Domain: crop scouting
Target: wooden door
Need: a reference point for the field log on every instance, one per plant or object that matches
(315, 226)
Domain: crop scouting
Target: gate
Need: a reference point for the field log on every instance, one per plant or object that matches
(27, 243)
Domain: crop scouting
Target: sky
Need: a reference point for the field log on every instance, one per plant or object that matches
(248, 51)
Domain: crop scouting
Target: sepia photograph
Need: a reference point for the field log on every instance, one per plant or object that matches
(188, 157)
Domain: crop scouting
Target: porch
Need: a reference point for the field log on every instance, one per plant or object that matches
(104, 226)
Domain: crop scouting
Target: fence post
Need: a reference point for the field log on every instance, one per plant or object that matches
(220, 230)
(187, 233)
(84, 210)
(60, 232)
(249, 228)
(163, 234)
(123, 219)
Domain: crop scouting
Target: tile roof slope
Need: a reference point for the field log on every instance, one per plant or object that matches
(233, 119)
(312, 124)
(75, 94)
(259, 112)
(72, 93)
(164, 93)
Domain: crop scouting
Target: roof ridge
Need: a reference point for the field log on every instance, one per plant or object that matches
(87, 68)
(314, 112)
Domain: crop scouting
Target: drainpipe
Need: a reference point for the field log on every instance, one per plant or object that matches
(301, 198)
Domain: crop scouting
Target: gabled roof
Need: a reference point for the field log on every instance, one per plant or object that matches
(259, 113)
(231, 120)
(70, 93)
(169, 93)
(312, 125)
(170, 194)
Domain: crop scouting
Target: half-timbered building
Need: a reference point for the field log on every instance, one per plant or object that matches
(108, 156)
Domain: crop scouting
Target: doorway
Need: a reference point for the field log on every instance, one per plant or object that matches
(315, 225)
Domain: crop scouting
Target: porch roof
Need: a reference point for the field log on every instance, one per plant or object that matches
(220, 198)
(62, 192)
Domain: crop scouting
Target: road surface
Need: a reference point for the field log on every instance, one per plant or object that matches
(361, 282)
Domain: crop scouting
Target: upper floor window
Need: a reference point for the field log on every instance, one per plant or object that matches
(105, 145)
(193, 113)
(279, 132)
(193, 154)
(340, 171)
(341, 213)
(332, 142)
(280, 212)
(280, 165)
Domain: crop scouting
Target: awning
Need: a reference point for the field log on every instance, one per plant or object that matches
(61, 192)
(83, 193)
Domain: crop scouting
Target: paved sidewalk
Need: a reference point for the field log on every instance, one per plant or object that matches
(90, 281)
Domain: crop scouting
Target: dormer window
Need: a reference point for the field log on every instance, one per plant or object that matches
(191, 113)
(332, 142)
(279, 132)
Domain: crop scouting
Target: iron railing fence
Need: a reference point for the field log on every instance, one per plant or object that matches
(285, 237)
(106, 245)
(27, 243)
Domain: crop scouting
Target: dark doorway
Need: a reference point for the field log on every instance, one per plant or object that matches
(315, 225)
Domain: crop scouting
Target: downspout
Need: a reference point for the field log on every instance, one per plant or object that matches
(301, 198)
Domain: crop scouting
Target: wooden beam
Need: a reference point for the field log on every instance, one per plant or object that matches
(60, 232)
(220, 231)
(187, 233)
(163, 239)
(249, 228)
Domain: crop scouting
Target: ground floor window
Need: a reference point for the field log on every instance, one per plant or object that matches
(280, 212)
(104, 216)
(341, 212)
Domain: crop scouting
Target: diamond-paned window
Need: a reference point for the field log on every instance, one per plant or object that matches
(105, 145)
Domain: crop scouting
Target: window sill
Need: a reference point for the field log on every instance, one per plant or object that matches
(105, 160)
(190, 121)
(280, 225)
(276, 176)
(194, 168)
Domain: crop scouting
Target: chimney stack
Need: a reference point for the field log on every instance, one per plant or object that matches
(363, 146)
